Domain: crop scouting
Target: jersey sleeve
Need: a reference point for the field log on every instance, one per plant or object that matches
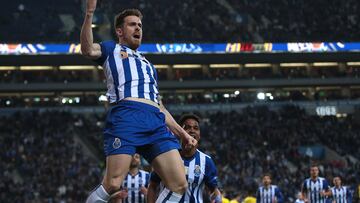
(147, 179)
(258, 195)
(325, 185)
(279, 195)
(107, 47)
(303, 186)
(155, 177)
(211, 179)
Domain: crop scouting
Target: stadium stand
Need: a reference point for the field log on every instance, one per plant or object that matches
(43, 163)
(220, 21)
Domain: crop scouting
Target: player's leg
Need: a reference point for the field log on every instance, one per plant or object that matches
(170, 167)
(117, 167)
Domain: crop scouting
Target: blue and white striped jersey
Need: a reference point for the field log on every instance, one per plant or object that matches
(133, 184)
(128, 73)
(269, 195)
(341, 194)
(200, 171)
(313, 189)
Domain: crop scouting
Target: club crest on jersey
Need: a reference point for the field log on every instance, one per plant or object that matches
(197, 171)
(117, 143)
(124, 54)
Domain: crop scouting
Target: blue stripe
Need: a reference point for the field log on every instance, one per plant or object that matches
(155, 72)
(167, 197)
(196, 179)
(132, 190)
(128, 79)
(141, 197)
(182, 200)
(151, 84)
(141, 87)
(114, 74)
(147, 178)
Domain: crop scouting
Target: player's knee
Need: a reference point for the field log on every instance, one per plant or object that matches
(180, 188)
(112, 184)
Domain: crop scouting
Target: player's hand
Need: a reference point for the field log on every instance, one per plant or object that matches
(90, 6)
(322, 193)
(189, 141)
(120, 194)
(143, 190)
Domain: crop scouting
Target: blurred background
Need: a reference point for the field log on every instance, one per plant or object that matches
(276, 84)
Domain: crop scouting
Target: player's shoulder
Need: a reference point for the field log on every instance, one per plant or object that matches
(322, 179)
(144, 172)
(108, 43)
(203, 154)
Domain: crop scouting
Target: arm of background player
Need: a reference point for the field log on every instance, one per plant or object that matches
(303, 192)
(258, 196)
(211, 181)
(176, 128)
(349, 195)
(152, 192)
(279, 195)
(89, 49)
(326, 187)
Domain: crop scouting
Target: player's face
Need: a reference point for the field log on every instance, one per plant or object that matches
(135, 162)
(266, 180)
(130, 33)
(337, 181)
(314, 172)
(191, 126)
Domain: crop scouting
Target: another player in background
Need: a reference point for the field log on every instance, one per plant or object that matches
(299, 198)
(134, 187)
(137, 121)
(268, 193)
(315, 189)
(357, 194)
(200, 169)
(339, 193)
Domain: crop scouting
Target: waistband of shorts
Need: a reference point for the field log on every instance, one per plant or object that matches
(136, 104)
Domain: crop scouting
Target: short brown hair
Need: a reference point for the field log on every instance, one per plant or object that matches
(119, 18)
(184, 117)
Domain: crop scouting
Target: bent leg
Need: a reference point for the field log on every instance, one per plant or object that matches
(117, 167)
(170, 167)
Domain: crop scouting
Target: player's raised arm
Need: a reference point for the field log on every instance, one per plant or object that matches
(177, 129)
(88, 48)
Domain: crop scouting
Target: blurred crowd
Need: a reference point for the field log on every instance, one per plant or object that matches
(43, 161)
(205, 21)
(186, 74)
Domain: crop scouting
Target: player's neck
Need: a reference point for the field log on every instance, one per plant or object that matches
(188, 153)
(314, 178)
(133, 171)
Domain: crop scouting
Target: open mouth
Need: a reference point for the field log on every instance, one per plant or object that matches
(136, 36)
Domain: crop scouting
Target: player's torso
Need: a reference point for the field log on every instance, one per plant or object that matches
(195, 175)
(129, 74)
(267, 195)
(339, 194)
(133, 184)
(314, 187)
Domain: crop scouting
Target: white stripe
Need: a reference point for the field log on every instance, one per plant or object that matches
(134, 78)
(129, 186)
(155, 84)
(120, 70)
(136, 188)
(272, 193)
(261, 194)
(109, 82)
(201, 177)
(146, 81)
